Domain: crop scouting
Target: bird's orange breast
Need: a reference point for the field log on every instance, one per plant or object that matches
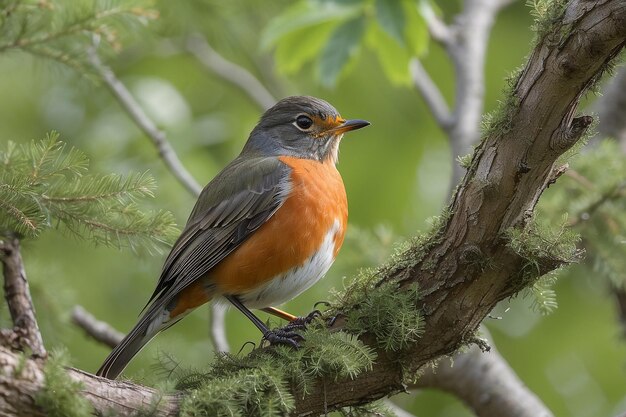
(317, 201)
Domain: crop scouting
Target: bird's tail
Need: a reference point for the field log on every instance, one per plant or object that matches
(147, 327)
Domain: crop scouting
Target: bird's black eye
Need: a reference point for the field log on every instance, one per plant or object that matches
(304, 122)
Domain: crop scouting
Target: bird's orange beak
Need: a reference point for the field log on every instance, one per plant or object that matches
(347, 126)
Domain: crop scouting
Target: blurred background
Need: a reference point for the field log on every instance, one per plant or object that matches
(396, 172)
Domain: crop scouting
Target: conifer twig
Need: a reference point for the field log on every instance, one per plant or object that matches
(17, 294)
(99, 330)
(198, 46)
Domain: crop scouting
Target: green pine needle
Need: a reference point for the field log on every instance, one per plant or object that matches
(61, 395)
(62, 30)
(47, 184)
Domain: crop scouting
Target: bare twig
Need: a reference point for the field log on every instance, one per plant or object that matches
(431, 94)
(486, 383)
(465, 41)
(198, 46)
(218, 333)
(101, 331)
(141, 119)
(437, 28)
(17, 294)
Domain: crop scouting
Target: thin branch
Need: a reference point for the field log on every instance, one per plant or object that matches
(141, 119)
(486, 383)
(17, 294)
(99, 330)
(431, 94)
(218, 333)
(472, 26)
(437, 28)
(198, 46)
(465, 41)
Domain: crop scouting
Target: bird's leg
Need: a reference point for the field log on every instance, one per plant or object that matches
(277, 336)
(279, 313)
(295, 322)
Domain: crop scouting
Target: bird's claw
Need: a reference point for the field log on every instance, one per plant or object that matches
(283, 337)
(300, 323)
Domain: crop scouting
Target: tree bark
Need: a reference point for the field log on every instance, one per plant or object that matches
(467, 267)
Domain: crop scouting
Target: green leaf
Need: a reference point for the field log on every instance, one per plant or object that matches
(305, 14)
(300, 46)
(416, 30)
(393, 58)
(342, 45)
(390, 15)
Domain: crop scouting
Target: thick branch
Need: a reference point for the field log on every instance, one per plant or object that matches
(18, 298)
(21, 379)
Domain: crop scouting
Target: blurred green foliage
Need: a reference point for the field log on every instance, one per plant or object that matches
(396, 172)
(331, 33)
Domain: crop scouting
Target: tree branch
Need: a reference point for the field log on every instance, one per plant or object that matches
(237, 75)
(465, 41)
(99, 330)
(22, 379)
(17, 294)
(141, 119)
(486, 383)
(431, 94)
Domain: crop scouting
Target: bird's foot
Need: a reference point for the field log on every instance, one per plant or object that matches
(283, 336)
(300, 323)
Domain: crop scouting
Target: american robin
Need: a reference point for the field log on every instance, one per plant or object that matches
(265, 229)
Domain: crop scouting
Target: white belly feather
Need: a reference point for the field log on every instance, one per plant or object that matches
(295, 281)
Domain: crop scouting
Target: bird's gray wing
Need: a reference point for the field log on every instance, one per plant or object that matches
(230, 208)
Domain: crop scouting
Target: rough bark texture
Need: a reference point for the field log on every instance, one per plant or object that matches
(467, 268)
(17, 294)
(21, 379)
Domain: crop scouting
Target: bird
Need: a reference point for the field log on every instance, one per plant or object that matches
(263, 230)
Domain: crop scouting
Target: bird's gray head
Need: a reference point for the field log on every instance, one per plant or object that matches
(301, 126)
